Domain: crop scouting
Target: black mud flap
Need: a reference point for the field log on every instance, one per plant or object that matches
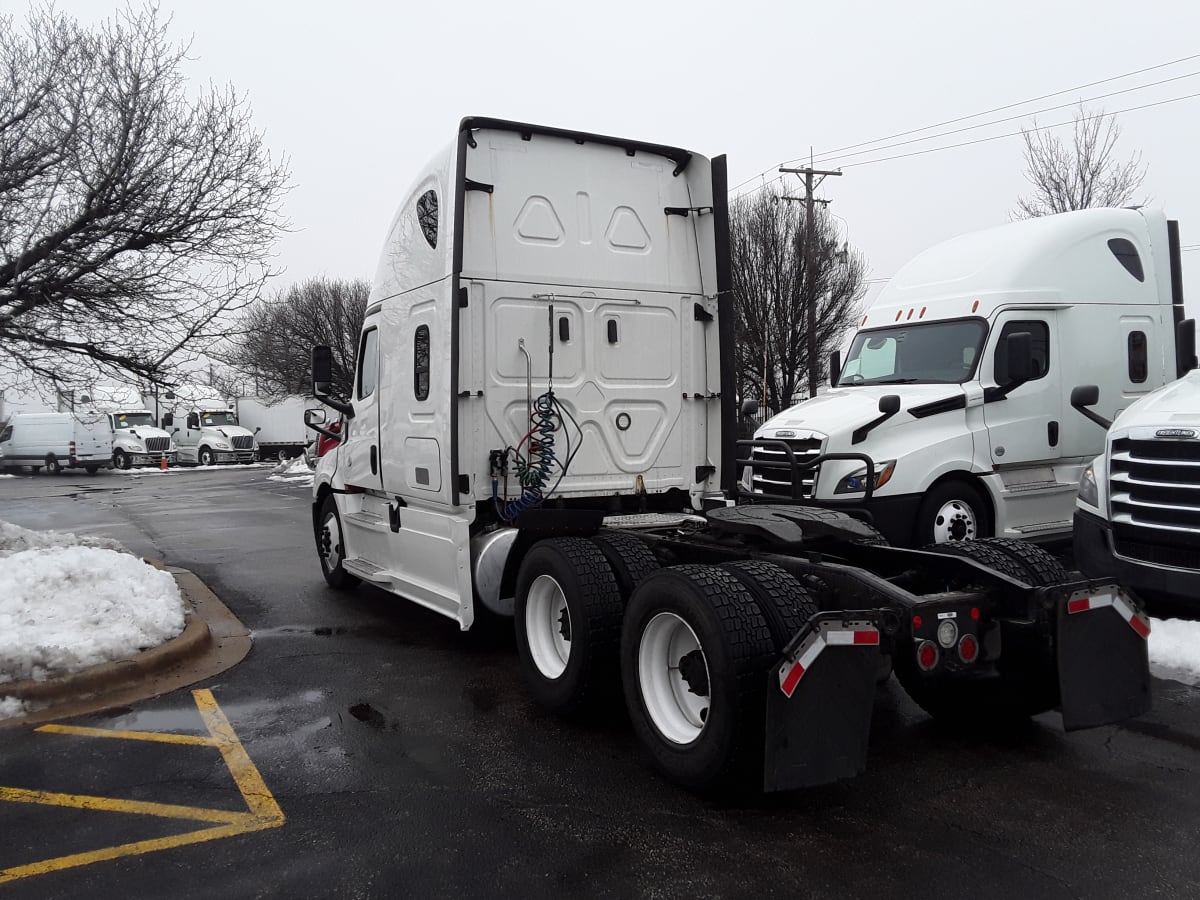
(819, 702)
(1103, 657)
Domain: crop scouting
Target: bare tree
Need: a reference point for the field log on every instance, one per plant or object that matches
(134, 211)
(1083, 175)
(276, 336)
(767, 237)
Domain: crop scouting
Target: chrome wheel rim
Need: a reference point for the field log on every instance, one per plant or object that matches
(955, 521)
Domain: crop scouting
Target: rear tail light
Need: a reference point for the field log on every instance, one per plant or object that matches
(927, 655)
(71, 451)
(968, 648)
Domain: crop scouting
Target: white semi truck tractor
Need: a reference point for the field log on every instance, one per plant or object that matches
(542, 431)
(207, 433)
(137, 440)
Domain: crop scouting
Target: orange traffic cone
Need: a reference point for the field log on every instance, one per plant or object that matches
(162, 463)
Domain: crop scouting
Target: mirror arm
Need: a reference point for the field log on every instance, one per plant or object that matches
(321, 429)
(860, 433)
(334, 403)
(1095, 417)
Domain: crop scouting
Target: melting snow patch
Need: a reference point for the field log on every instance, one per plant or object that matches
(15, 539)
(11, 707)
(292, 471)
(69, 607)
(1175, 649)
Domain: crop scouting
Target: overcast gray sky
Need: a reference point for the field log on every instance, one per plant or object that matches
(359, 95)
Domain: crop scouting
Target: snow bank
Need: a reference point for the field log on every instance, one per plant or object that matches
(69, 607)
(15, 539)
(11, 707)
(1175, 649)
(292, 471)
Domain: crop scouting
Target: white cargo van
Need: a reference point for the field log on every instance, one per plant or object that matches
(956, 384)
(207, 433)
(137, 441)
(57, 441)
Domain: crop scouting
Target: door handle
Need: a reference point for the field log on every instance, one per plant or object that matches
(374, 460)
(1052, 433)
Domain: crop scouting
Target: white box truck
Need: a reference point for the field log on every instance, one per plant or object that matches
(56, 441)
(278, 425)
(957, 382)
(542, 432)
(207, 433)
(1137, 516)
(137, 440)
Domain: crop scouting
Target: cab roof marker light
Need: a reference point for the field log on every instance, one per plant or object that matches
(975, 306)
(899, 313)
(922, 315)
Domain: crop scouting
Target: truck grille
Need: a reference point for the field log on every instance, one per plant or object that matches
(1161, 549)
(1154, 488)
(242, 442)
(158, 445)
(780, 481)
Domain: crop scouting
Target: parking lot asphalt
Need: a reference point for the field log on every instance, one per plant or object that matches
(385, 753)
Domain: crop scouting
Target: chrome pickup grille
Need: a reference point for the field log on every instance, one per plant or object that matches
(1154, 484)
(158, 445)
(780, 481)
(242, 442)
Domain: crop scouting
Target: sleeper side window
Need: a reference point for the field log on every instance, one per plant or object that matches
(1138, 358)
(368, 363)
(427, 216)
(421, 362)
(1039, 334)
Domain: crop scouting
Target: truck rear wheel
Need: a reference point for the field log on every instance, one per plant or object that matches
(568, 623)
(1041, 568)
(984, 553)
(952, 511)
(694, 649)
(53, 466)
(331, 548)
(784, 603)
(630, 559)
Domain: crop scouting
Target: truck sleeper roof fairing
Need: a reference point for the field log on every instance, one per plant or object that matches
(1066, 258)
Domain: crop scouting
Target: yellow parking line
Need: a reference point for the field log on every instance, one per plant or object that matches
(113, 804)
(264, 811)
(157, 736)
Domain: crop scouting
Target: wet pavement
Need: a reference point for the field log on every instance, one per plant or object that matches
(406, 759)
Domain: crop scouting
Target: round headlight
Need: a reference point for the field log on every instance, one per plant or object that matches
(947, 633)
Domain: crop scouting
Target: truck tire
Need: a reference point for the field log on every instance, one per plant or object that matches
(331, 547)
(984, 553)
(1042, 569)
(694, 649)
(121, 460)
(568, 624)
(952, 511)
(205, 458)
(784, 603)
(53, 466)
(630, 559)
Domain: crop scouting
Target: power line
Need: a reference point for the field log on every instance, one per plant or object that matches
(1012, 105)
(932, 137)
(997, 137)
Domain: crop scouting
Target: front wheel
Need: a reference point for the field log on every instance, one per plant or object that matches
(121, 460)
(331, 548)
(953, 511)
(694, 650)
(206, 457)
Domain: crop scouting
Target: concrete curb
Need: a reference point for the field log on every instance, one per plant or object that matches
(212, 640)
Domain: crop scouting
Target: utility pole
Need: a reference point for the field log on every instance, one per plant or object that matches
(810, 301)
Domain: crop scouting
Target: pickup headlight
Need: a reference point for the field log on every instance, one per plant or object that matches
(1088, 492)
(857, 482)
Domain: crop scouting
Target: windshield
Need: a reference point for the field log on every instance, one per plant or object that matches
(218, 418)
(133, 420)
(933, 352)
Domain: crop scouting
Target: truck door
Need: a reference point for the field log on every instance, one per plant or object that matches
(1024, 427)
(360, 457)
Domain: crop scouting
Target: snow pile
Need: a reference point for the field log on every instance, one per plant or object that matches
(66, 608)
(1175, 649)
(292, 471)
(15, 539)
(11, 707)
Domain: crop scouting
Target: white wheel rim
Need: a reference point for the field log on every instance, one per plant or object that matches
(548, 626)
(955, 521)
(677, 707)
(331, 540)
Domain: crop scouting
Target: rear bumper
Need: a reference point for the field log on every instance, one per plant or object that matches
(1096, 556)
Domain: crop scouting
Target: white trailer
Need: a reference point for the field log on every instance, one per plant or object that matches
(278, 425)
(542, 429)
(957, 382)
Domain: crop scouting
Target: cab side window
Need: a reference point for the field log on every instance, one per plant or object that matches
(368, 363)
(1139, 363)
(421, 362)
(1039, 334)
(168, 420)
(6, 433)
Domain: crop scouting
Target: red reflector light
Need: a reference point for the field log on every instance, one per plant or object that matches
(968, 648)
(927, 655)
(975, 613)
(1079, 605)
(866, 637)
(1139, 626)
(917, 622)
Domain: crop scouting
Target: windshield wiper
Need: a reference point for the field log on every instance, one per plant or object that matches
(895, 381)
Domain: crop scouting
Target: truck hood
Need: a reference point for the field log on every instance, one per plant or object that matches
(143, 432)
(842, 410)
(229, 431)
(1173, 405)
